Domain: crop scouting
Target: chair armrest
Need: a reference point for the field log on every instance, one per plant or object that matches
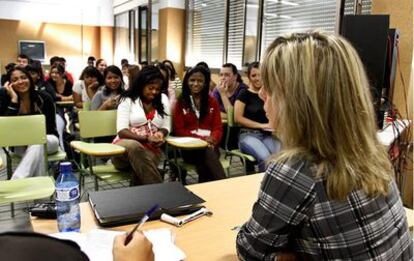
(97, 149)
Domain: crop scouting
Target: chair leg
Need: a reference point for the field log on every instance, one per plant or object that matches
(91, 172)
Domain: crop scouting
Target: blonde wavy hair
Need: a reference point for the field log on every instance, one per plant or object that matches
(319, 88)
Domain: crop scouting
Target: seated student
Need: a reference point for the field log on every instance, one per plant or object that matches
(228, 88)
(87, 86)
(132, 72)
(63, 87)
(107, 98)
(174, 81)
(143, 122)
(101, 65)
(330, 194)
(166, 88)
(226, 92)
(22, 60)
(212, 83)
(68, 75)
(255, 136)
(197, 114)
(91, 61)
(36, 71)
(21, 98)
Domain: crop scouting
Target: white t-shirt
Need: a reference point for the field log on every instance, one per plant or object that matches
(80, 88)
(131, 114)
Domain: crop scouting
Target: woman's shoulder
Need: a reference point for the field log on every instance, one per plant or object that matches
(295, 168)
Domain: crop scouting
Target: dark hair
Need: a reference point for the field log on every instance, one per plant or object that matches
(32, 89)
(234, 70)
(124, 62)
(91, 58)
(59, 67)
(149, 74)
(62, 59)
(91, 71)
(251, 66)
(23, 56)
(53, 60)
(165, 83)
(36, 67)
(203, 64)
(10, 66)
(115, 70)
(170, 67)
(186, 93)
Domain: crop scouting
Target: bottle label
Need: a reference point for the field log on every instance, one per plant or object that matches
(67, 194)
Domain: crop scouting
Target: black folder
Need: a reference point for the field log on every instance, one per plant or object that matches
(128, 205)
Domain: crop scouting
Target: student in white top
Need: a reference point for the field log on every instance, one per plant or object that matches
(90, 81)
(143, 122)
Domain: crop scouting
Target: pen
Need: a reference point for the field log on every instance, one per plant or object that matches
(146, 216)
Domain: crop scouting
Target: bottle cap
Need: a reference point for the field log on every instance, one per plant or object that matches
(65, 167)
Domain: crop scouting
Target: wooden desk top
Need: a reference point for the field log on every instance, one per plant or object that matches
(186, 142)
(207, 238)
(65, 103)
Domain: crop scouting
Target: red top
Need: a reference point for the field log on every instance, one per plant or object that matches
(185, 121)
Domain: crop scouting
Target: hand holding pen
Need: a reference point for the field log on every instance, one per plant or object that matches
(146, 216)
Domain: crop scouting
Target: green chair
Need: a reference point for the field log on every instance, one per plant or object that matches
(179, 162)
(235, 152)
(94, 124)
(17, 190)
(23, 131)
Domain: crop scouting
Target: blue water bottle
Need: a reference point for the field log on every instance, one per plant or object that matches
(67, 200)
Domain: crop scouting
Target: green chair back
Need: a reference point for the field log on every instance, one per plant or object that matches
(22, 130)
(94, 124)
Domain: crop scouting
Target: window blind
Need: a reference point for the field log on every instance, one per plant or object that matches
(237, 17)
(350, 4)
(285, 16)
(205, 32)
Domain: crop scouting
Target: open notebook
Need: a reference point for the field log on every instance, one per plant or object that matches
(97, 244)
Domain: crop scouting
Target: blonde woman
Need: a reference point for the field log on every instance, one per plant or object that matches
(330, 193)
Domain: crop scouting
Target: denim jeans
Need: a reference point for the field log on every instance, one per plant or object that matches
(259, 144)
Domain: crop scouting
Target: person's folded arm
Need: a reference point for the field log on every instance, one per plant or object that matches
(285, 201)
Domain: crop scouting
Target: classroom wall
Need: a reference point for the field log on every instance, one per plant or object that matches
(74, 29)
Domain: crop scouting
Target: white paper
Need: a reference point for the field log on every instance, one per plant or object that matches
(97, 244)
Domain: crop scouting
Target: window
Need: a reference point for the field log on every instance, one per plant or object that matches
(206, 21)
(239, 31)
(143, 34)
(251, 32)
(281, 17)
(236, 28)
(122, 43)
(155, 6)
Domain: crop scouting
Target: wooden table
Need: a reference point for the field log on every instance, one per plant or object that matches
(207, 238)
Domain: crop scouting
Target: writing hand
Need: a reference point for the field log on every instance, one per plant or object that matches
(138, 249)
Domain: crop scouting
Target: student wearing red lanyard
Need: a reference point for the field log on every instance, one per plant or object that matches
(143, 122)
(197, 114)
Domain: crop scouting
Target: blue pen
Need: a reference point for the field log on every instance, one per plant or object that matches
(146, 216)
